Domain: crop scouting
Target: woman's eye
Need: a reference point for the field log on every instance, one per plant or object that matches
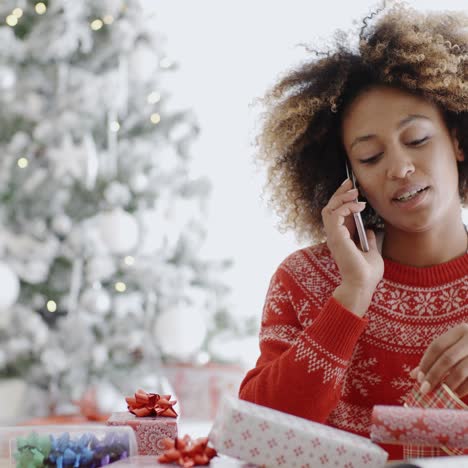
(371, 160)
(374, 158)
(418, 142)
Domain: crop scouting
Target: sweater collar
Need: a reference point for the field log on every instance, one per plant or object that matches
(423, 276)
(426, 276)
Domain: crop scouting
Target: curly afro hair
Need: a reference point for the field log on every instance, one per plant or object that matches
(300, 138)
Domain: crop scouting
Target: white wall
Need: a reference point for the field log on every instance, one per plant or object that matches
(229, 53)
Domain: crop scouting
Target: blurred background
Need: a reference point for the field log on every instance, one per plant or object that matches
(135, 248)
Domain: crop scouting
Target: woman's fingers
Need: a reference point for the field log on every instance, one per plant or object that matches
(347, 209)
(462, 390)
(458, 376)
(446, 357)
(447, 364)
(337, 200)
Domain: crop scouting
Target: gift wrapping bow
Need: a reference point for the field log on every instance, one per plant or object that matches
(429, 425)
(187, 452)
(151, 404)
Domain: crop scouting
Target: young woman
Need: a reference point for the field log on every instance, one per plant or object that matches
(343, 329)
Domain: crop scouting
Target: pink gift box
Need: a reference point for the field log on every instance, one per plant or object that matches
(150, 431)
(199, 388)
(267, 437)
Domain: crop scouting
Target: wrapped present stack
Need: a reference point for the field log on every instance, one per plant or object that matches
(263, 436)
(153, 419)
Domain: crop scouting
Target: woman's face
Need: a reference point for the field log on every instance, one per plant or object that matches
(404, 158)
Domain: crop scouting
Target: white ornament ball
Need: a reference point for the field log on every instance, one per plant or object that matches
(6, 316)
(117, 194)
(10, 286)
(119, 230)
(180, 331)
(100, 268)
(96, 300)
(7, 78)
(19, 142)
(109, 398)
(62, 224)
(100, 355)
(139, 182)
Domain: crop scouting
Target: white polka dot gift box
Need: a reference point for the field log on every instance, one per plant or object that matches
(267, 437)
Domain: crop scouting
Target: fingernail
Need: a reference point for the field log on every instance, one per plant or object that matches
(346, 180)
(361, 203)
(425, 387)
(420, 377)
(414, 372)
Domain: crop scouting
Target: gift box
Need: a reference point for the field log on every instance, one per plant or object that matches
(267, 437)
(420, 426)
(441, 397)
(199, 388)
(150, 430)
(45, 446)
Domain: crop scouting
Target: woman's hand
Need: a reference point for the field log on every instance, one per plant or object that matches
(445, 360)
(360, 271)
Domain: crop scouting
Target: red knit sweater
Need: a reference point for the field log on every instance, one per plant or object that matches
(322, 362)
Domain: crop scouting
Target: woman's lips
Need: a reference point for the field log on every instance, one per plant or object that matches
(414, 201)
(408, 189)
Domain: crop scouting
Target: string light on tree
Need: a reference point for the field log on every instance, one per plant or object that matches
(51, 306)
(18, 12)
(154, 97)
(40, 8)
(129, 260)
(114, 126)
(120, 286)
(96, 24)
(11, 20)
(108, 19)
(23, 163)
(155, 118)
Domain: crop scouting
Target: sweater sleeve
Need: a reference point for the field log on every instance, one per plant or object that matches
(300, 370)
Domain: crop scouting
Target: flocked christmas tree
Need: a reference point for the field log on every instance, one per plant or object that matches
(100, 218)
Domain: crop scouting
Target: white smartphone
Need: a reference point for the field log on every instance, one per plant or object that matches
(357, 216)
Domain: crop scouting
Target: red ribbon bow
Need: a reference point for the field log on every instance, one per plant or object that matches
(151, 404)
(187, 452)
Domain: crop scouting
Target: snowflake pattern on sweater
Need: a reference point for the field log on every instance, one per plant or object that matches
(334, 366)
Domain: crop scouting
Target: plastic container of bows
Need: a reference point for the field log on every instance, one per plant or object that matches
(65, 446)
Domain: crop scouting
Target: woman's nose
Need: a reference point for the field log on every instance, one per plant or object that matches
(400, 165)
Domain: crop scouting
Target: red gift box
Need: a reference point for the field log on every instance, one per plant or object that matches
(150, 431)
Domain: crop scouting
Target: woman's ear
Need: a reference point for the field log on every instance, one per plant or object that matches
(460, 155)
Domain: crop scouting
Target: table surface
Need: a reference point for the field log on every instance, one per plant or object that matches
(195, 428)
